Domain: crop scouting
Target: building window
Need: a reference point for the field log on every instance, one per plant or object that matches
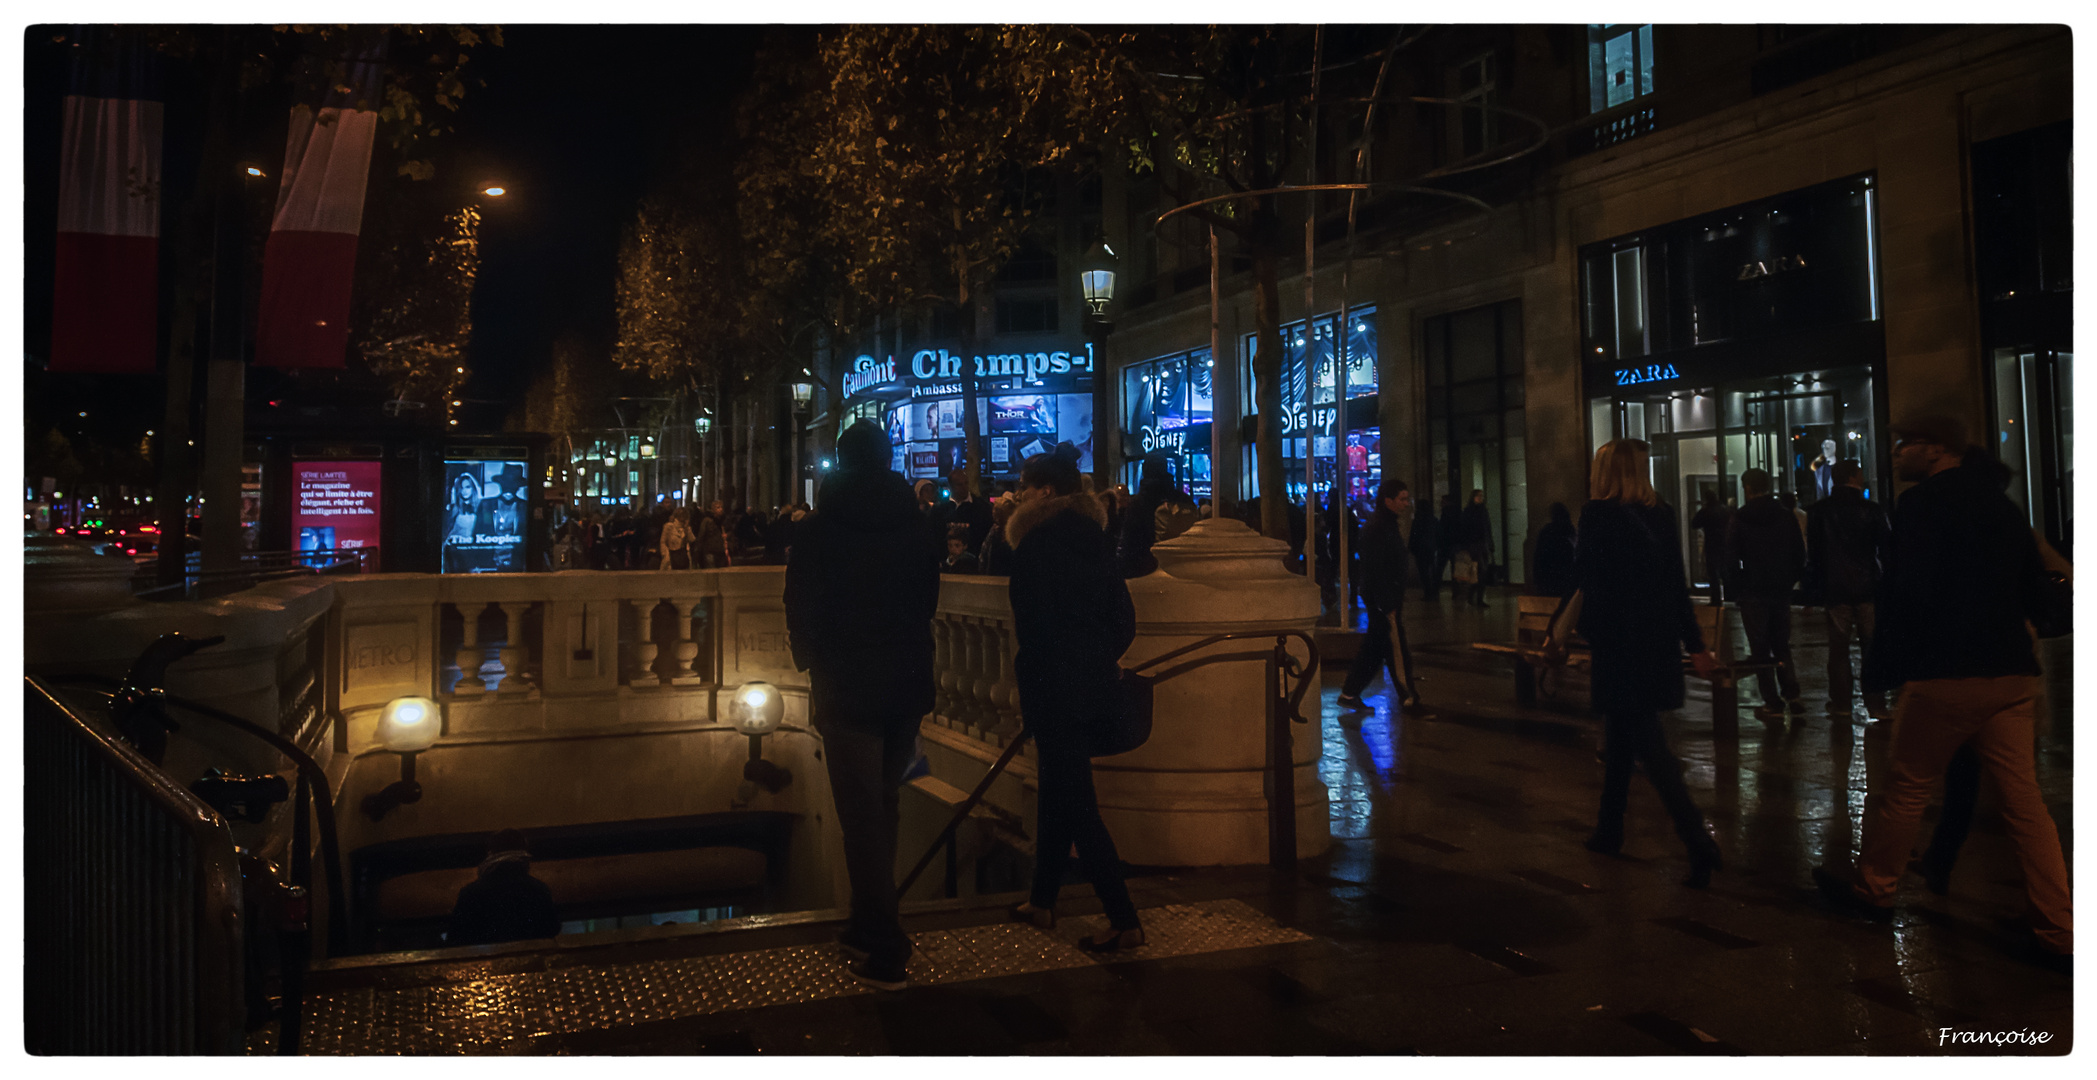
(1619, 64)
(1477, 89)
(1027, 315)
(1477, 424)
(1033, 262)
(1166, 407)
(1308, 349)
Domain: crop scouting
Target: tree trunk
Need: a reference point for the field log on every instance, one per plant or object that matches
(971, 425)
(1266, 390)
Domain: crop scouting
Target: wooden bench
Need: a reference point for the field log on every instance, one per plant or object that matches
(1534, 671)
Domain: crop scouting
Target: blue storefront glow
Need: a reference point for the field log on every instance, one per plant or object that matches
(1027, 403)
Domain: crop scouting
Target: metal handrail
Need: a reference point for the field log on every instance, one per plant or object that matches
(132, 896)
(1282, 802)
(257, 567)
(313, 785)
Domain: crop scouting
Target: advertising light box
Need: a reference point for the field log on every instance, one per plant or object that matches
(335, 505)
(484, 517)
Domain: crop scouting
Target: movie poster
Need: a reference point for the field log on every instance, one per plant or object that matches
(484, 519)
(1074, 426)
(335, 505)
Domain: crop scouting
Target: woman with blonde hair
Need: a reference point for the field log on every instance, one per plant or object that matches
(1636, 617)
(676, 538)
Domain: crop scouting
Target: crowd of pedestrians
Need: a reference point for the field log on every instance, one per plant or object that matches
(676, 538)
(1941, 597)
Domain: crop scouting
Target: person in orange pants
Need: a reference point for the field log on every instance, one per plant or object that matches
(1962, 578)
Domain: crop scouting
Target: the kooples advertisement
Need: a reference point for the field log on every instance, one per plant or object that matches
(484, 517)
(335, 505)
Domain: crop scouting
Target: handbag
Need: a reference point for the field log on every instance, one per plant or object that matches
(1125, 723)
(1466, 569)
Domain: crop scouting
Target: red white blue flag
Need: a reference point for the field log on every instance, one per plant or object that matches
(105, 314)
(311, 258)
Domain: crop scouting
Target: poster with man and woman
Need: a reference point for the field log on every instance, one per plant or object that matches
(484, 517)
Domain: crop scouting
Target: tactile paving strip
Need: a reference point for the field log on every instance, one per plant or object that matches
(483, 1014)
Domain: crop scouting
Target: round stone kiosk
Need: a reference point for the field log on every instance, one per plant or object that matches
(1195, 794)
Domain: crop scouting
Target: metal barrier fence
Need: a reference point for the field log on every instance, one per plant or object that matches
(255, 568)
(131, 899)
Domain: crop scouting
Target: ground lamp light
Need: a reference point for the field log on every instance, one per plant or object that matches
(1096, 276)
(756, 711)
(407, 726)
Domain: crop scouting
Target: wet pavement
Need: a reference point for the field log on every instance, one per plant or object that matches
(1456, 914)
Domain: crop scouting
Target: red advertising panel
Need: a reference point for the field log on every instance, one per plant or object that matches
(335, 505)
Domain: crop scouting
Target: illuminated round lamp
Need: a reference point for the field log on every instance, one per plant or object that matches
(409, 725)
(757, 708)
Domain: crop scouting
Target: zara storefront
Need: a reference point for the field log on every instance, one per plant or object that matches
(1026, 404)
(1747, 338)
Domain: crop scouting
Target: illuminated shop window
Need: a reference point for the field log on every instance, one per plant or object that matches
(1619, 64)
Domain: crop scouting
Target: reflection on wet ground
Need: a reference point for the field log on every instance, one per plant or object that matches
(1456, 913)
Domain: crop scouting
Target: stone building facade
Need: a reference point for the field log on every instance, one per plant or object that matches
(1769, 245)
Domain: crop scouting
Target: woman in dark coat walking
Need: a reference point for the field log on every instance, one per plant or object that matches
(1073, 619)
(1636, 618)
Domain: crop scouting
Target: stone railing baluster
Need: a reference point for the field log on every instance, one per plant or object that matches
(513, 652)
(469, 654)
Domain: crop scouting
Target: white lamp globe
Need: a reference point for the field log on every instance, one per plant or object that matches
(409, 725)
(756, 708)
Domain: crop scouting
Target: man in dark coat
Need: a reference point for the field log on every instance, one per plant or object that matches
(1962, 578)
(504, 902)
(1449, 537)
(1384, 564)
(1477, 540)
(1715, 522)
(1770, 554)
(965, 507)
(1555, 544)
(862, 585)
(1846, 537)
(1426, 540)
(1073, 618)
(1139, 527)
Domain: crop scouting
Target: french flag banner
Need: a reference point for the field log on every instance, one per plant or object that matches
(105, 312)
(311, 257)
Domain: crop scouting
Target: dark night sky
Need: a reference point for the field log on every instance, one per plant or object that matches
(577, 119)
(574, 119)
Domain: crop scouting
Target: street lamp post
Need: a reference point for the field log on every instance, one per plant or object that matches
(803, 388)
(1096, 274)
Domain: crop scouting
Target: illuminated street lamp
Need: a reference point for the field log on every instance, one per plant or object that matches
(756, 710)
(804, 391)
(407, 726)
(702, 424)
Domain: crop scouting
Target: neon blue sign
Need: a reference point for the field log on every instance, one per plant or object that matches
(1651, 373)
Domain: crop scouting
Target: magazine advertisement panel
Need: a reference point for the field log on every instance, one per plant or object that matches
(335, 505)
(484, 517)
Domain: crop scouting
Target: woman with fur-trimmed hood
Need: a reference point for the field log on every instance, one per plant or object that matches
(1073, 619)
